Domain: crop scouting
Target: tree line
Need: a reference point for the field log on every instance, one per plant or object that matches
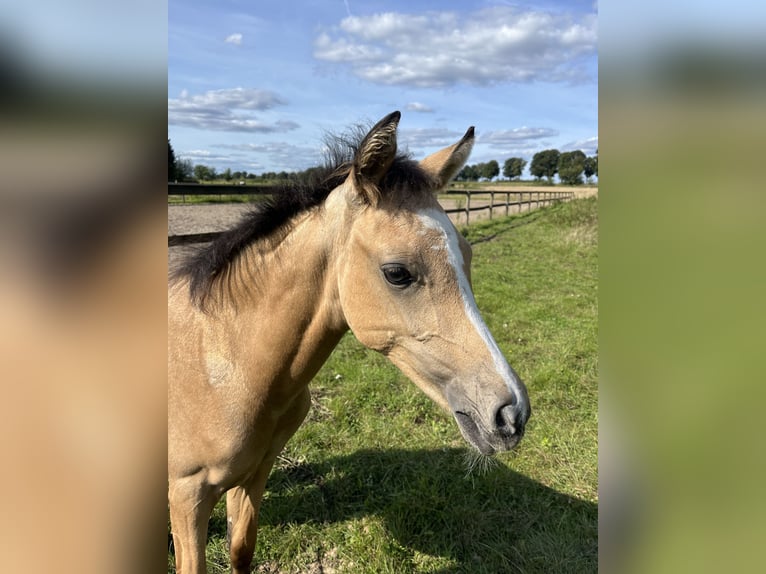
(569, 166)
(185, 171)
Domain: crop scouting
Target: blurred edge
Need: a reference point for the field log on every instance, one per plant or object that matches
(681, 295)
(83, 259)
(82, 281)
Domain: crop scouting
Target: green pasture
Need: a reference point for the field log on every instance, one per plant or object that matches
(379, 480)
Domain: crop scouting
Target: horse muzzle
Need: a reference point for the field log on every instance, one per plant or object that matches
(495, 429)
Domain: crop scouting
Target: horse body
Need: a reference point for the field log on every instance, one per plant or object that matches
(238, 389)
(377, 255)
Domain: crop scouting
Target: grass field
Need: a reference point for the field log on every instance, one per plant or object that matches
(379, 480)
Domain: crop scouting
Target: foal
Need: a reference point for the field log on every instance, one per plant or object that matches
(252, 318)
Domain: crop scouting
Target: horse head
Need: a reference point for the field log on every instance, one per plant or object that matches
(404, 282)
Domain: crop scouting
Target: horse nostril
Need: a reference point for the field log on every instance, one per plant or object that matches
(505, 417)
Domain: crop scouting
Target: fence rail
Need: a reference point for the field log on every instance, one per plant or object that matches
(532, 199)
(483, 199)
(184, 189)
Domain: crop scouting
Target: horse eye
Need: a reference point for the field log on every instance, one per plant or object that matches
(398, 275)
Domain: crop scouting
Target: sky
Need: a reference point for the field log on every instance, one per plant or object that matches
(256, 84)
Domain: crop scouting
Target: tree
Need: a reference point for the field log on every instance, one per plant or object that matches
(571, 166)
(590, 167)
(200, 172)
(227, 174)
(204, 173)
(514, 167)
(312, 175)
(545, 164)
(184, 170)
(172, 170)
(468, 173)
(490, 169)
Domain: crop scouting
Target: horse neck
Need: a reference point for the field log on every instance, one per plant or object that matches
(292, 319)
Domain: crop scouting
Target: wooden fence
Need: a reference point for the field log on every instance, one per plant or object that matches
(184, 189)
(506, 202)
(465, 202)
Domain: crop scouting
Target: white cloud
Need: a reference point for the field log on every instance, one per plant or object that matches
(201, 156)
(240, 98)
(247, 147)
(343, 51)
(438, 49)
(524, 140)
(418, 107)
(281, 155)
(235, 39)
(428, 137)
(501, 138)
(227, 110)
(587, 146)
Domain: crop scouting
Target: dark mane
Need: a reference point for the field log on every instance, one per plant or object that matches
(209, 265)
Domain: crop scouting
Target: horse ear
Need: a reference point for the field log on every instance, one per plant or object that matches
(446, 163)
(375, 155)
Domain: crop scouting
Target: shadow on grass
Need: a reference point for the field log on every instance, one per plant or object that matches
(474, 237)
(498, 522)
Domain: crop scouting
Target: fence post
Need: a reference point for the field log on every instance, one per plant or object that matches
(491, 203)
(507, 202)
(467, 207)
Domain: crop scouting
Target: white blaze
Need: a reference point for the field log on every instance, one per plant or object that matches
(438, 220)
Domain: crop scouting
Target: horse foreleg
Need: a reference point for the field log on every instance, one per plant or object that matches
(244, 502)
(191, 504)
(242, 507)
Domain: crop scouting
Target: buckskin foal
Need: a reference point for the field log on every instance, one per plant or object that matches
(253, 316)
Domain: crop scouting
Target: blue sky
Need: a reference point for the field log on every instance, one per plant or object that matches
(254, 84)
